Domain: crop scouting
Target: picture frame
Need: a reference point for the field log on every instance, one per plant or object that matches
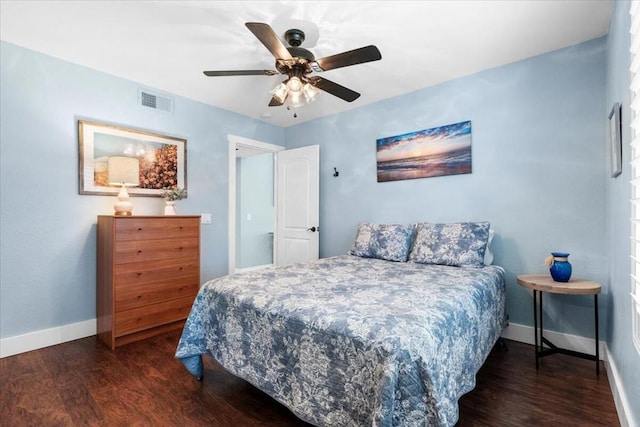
(439, 151)
(162, 159)
(615, 140)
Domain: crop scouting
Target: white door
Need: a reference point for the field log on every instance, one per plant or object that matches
(298, 194)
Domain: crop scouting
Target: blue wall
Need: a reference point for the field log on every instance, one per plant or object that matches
(619, 334)
(48, 231)
(539, 170)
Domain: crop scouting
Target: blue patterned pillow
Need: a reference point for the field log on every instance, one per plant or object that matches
(390, 242)
(461, 244)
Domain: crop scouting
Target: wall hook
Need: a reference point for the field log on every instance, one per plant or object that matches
(335, 172)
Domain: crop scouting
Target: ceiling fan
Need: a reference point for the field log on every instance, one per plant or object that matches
(297, 63)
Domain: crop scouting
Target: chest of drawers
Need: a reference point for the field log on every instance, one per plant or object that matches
(148, 274)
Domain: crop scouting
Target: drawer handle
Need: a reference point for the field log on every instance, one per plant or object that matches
(140, 251)
(139, 297)
(181, 268)
(139, 274)
(180, 248)
(139, 319)
(139, 228)
(180, 289)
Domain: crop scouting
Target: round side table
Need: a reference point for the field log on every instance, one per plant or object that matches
(540, 283)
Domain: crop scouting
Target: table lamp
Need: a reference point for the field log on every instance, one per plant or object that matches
(123, 171)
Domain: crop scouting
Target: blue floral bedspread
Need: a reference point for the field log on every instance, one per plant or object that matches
(350, 341)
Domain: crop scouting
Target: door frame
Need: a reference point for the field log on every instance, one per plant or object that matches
(263, 147)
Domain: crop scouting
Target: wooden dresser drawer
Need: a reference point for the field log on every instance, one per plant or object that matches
(137, 286)
(133, 273)
(152, 315)
(152, 293)
(157, 228)
(148, 250)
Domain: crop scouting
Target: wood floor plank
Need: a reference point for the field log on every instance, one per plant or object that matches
(84, 383)
(28, 394)
(564, 391)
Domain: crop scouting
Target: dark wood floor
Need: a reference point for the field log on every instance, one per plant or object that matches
(84, 383)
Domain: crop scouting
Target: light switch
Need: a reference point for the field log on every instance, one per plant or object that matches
(205, 218)
(248, 217)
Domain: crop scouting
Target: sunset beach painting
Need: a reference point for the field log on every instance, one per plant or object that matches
(444, 150)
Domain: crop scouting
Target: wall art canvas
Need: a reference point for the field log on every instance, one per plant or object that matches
(443, 150)
(162, 159)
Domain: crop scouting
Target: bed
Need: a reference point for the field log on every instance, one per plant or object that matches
(355, 339)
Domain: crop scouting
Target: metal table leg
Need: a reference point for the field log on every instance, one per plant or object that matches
(535, 324)
(595, 304)
(540, 314)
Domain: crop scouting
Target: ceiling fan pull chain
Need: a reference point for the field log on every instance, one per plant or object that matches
(295, 115)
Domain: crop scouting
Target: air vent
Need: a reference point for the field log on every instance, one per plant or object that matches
(155, 101)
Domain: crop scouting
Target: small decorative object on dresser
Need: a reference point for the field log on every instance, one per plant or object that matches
(559, 266)
(171, 195)
(148, 275)
(123, 171)
(170, 208)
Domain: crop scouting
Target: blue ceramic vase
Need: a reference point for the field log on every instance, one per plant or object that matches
(561, 268)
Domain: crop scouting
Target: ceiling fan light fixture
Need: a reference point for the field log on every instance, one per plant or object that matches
(294, 84)
(310, 92)
(280, 92)
(296, 99)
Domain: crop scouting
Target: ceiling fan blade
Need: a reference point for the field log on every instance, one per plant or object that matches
(334, 89)
(344, 59)
(241, 73)
(269, 39)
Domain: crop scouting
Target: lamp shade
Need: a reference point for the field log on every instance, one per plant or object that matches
(280, 92)
(294, 84)
(124, 171)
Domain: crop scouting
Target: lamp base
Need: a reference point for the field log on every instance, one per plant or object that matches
(123, 206)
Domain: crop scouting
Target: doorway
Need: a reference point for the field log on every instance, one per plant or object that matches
(252, 222)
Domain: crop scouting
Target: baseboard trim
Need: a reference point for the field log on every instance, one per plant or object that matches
(46, 337)
(524, 334)
(619, 396)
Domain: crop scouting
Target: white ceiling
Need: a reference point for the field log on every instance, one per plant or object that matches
(167, 44)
